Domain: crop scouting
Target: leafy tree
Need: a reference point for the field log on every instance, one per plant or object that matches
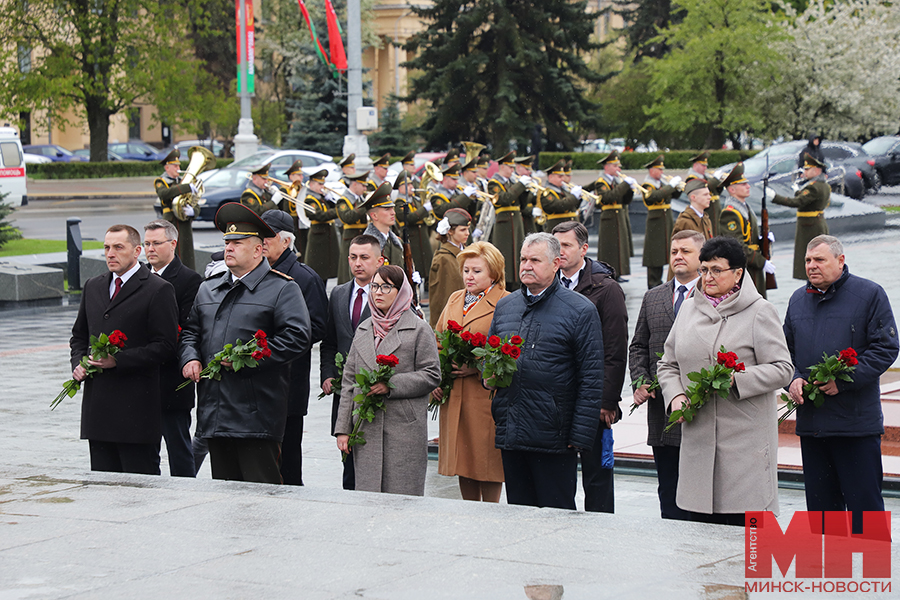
(493, 69)
(7, 231)
(643, 21)
(318, 107)
(392, 137)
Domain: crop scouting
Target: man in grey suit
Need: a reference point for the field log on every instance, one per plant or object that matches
(347, 308)
(658, 312)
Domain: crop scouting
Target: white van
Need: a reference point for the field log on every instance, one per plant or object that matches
(12, 168)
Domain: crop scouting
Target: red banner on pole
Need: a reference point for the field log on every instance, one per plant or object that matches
(335, 43)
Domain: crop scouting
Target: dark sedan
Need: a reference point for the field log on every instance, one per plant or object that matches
(53, 152)
(137, 150)
(885, 151)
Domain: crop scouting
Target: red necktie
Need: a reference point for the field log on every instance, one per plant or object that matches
(357, 309)
(118, 288)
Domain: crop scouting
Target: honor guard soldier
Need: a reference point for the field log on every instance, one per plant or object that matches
(529, 199)
(469, 177)
(559, 205)
(509, 231)
(694, 217)
(738, 221)
(352, 215)
(446, 195)
(481, 172)
(292, 195)
(322, 249)
(811, 200)
(414, 221)
(699, 164)
(380, 207)
(408, 163)
(615, 194)
(348, 168)
(167, 189)
(261, 195)
(379, 172)
(659, 219)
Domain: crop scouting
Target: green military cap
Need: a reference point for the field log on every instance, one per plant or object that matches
(381, 197)
(347, 161)
(508, 159)
(458, 217)
(524, 160)
(693, 185)
(297, 167)
(736, 176)
(558, 168)
(569, 161)
(452, 170)
(360, 177)
(470, 166)
(172, 158)
(402, 179)
(237, 222)
(382, 161)
(261, 171)
(484, 160)
(610, 159)
(657, 162)
(810, 162)
(319, 176)
(452, 157)
(702, 158)
(409, 159)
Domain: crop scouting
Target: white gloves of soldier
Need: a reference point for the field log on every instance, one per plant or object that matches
(427, 206)
(769, 267)
(576, 191)
(331, 196)
(536, 212)
(770, 193)
(720, 174)
(194, 189)
(417, 279)
(470, 190)
(525, 180)
(630, 181)
(771, 237)
(476, 235)
(675, 181)
(188, 210)
(277, 196)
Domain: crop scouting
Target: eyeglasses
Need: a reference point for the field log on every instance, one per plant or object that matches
(384, 288)
(714, 271)
(157, 244)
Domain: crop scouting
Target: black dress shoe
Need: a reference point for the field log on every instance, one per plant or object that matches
(621, 279)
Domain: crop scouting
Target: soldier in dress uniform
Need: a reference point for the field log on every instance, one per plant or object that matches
(379, 171)
(529, 199)
(567, 170)
(508, 231)
(615, 194)
(446, 195)
(322, 249)
(694, 217)
(481, 170)
(559, 205)
(699, 165)
(292, 195)
(451, 158)
(738, 221)
(659, 219)
(353, 217)
(167, 189)
(348, 168)
(811, 200)
(261, 195)
(408, 162)
(469, 177)
(380, 207)
(414, 221)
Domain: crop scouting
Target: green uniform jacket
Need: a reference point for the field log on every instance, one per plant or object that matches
(659, 224)
(258, 200)
(444, 279)
(738, 221)
(509, 230)
(615, 246)
(355, 222)
(443, 200)
(419, 234)
(559, 206)
(813, 198)
(391, 248)
(529, 201)
(167, 189)
(688, 220)
(322, 248)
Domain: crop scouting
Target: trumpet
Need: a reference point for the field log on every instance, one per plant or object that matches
(584, 193)
(644, 192)
(678, 186)
(293, 192)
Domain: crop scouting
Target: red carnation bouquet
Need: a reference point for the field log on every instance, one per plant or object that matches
(101, 347)
(368, 404)
(836, 366)
(499, 363)
(241, 356)
(457, 351)
(715, 380)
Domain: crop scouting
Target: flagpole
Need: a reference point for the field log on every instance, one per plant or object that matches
(245, 142)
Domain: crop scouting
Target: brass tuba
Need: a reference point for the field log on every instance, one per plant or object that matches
(199, 159)
(432, 173)
(472, 150)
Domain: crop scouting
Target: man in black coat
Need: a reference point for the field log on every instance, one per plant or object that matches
(120, 412)
(596, 281)
(347, 308)
(279, 252)
(160, 240)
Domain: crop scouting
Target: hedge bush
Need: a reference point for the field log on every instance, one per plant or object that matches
(98, 170)
(675, 159)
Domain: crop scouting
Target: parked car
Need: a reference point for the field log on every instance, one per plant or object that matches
(227, 185)
(217, 147)
(137, 150)
(885, 152)
(53, 152)
(85, 153)
(849, 155)
(35, 159)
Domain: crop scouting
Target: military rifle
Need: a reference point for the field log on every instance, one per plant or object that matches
(764, 244)
(408, 265)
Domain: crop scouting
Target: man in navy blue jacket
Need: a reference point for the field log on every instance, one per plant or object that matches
(840, 441)
(551, 410)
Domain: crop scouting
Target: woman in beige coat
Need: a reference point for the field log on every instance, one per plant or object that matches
(466, 444)
(395, 456)
(444, 278)
(728, 461)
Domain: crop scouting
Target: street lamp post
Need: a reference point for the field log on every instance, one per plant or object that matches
(354, 142)
(245, 142)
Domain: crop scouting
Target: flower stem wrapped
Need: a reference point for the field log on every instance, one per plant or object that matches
(241, 356)
(368, 403)
(716, 380)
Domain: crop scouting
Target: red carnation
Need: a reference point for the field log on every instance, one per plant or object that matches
(260, 334)
(388, 360)
(515, 340)
(118, 339)
(454, 326)
(506, 348)
(739, 367)
(479, 340)
(466, 336)
(730, 362)
(494, 341)
(721, 357)
(848, 357)
(515, 352)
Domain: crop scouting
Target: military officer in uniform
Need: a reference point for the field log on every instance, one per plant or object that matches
(451, 158)
(411, 214)
(529, 199)
(446, 195)
(292, 195)
(699, 165)
(659, 219)
(353, 217)
(379, 172)
(408, 162)
(615, 194)
(348, 168)
(508, 231)
(738, 221)
(261, 195)
(380, 207)
(559, 205)
(322, 249)
(167, 189)
(481, 170)
(811, 200)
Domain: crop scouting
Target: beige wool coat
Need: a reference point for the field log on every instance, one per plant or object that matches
(395, 456)
(728, 461)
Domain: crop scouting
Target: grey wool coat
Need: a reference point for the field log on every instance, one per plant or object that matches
(395, 456)
(729, 451)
